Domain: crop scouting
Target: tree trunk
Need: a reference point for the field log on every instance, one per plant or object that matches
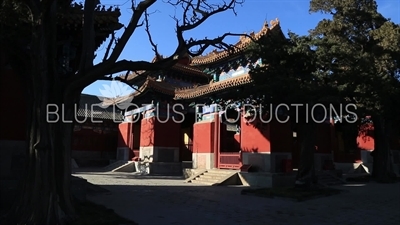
(45, 193)
(306, 173)
(382, 166)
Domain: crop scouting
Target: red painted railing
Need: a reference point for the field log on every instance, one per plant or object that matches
(229, 160)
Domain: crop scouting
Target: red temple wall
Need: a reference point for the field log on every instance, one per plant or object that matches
(13, 111)
(124, 134)
(281, 136)
(365, 137)
(156, 133)
(255, 137)
(89, 140)
(203, 133)
(366, 141)
(167, 134)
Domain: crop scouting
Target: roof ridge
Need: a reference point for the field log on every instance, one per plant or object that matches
(243, 42)
(195, 90)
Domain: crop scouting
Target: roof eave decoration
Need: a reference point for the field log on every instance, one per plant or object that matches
(189, 92)
(211, 88)
(240, 46)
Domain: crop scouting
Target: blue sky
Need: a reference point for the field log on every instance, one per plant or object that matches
(293, 15)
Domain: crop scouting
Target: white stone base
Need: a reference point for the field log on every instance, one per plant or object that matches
(159, 154)
(203, 160)
(351, 168)
(265, 162)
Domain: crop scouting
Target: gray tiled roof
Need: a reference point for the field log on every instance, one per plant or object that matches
(90, 107)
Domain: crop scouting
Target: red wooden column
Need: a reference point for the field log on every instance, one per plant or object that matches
(160, 138)
(125, 141)
(204, 147)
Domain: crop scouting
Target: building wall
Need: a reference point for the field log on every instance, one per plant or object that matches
(203, 143)
(255, 137)
(94, 144)
(12, 122)
(365, 138)
(203, 140)
(281, 136)
(12, 98)
(124, 135)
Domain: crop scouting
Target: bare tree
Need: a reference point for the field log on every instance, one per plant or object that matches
(45, 196)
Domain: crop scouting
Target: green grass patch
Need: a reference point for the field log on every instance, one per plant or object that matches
(298, 194)
(94, 214)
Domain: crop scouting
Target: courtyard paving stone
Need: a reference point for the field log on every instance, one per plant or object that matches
(163, 200)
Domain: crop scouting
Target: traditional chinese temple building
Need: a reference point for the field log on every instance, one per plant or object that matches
(164, 134)
(95, 133)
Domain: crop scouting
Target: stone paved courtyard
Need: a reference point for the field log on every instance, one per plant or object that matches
(166, 200)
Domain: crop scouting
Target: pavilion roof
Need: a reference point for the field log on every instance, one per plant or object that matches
(243, 43)
(193, 68)
(186, 69)
(105, 22)
(198, 91)
(90, 107)
(201, 90)
(189, 92)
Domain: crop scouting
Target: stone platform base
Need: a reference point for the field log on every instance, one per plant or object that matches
(267, 180)
(188, 172)
(351, 168)
(159, 168)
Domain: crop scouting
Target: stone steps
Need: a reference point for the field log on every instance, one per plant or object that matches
(202, 182)
(212, 177)
(115, 165)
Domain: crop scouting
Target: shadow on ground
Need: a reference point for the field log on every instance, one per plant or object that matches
(151, 201)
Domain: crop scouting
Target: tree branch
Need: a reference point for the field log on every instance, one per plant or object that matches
(112, 66)
(146, 20)
(109, 46)
(217, 42)
(127, 74)
(120, 80)
(206, 11)
(100, 70)
(130, 29)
